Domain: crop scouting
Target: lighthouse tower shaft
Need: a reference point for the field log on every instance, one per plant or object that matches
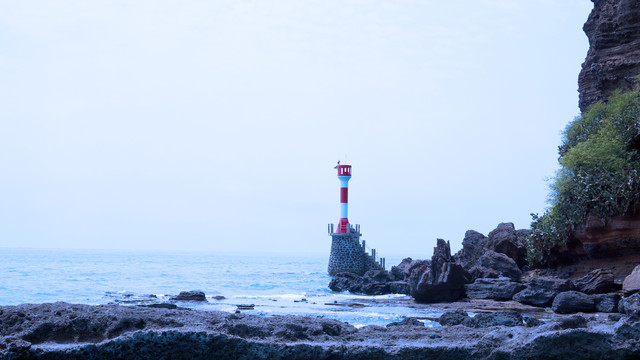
(344, 175)
(348, 253)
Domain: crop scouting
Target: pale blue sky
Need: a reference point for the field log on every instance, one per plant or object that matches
(215, 125)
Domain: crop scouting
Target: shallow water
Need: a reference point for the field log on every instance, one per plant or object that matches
(274, 284)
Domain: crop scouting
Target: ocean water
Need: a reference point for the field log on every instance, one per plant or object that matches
(274, 284)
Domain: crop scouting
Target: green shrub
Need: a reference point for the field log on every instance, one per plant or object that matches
(598, 173)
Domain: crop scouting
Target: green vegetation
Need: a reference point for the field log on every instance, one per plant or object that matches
(599, 163)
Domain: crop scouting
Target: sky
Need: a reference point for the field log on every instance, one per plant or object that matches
(215, 125)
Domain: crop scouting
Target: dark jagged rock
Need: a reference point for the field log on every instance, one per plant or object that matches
(541, 291)
(505, 240)
(346, 281)
(630, 305)
(570, 322)
(455, 317)
(380, 276)
(407, 322)
(161, 306)
(473, 246)
(496, 289)
(193, 295)
(401, 271)
(613, 59)
(189, 334)
(531, 321)
(597, 281)
(373, 282)
(607, 302)
(631, 283)
(491, 263)
(498, 318)
(438, 280)
(570, 302)
(483, 320)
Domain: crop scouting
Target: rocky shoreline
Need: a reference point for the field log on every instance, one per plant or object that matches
(494, 267)
(67, 331)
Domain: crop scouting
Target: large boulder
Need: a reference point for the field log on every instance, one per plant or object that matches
(482, 320)
(630, 305)
(473, 246)
(631, 283)
(607, 302)
(598, 281)
(505, 240)
(455, 317)
(402, 270)
(492, 263)
(496, 289)
(438, 280)
(541, 291)
(346, 281)
(193, 295)
(373, 282)
(569, 302)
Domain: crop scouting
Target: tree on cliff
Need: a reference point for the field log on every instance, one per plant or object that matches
(598, 175)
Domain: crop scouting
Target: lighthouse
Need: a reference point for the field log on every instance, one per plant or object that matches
(348, 253)
(344, 175)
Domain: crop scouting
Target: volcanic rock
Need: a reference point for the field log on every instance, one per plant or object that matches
(497, 289)
(453, 318)
(631, 283)
(541, 291)
(598, 281)
(438, 280)
(505, 240)
(607, 302)
(613, 59)
(630, 305)
(498, 318)
(401, 271)
(373, 282)
(473, 246)
(193, 295)
(64, 331)
(410, 321)
(491, 263)
(569, 302)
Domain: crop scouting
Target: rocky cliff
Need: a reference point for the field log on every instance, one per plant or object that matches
(613, 59)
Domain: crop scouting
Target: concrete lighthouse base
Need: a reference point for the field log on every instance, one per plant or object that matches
(347, 255)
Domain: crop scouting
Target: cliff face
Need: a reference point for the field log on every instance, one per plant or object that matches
(613, 59)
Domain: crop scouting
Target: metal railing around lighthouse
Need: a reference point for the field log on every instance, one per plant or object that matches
(373, 254)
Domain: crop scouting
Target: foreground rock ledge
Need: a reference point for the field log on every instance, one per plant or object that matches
(120, 332)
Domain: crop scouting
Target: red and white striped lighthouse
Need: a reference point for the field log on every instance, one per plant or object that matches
(344, 174)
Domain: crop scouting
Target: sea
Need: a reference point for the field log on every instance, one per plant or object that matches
(273, 284)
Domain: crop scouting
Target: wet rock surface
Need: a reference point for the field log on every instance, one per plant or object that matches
(541, 291)
(193, 295)
(373, 282)
(569, 302)
(496, 289)
(607, 302)
(440, 279)
(65, 331)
